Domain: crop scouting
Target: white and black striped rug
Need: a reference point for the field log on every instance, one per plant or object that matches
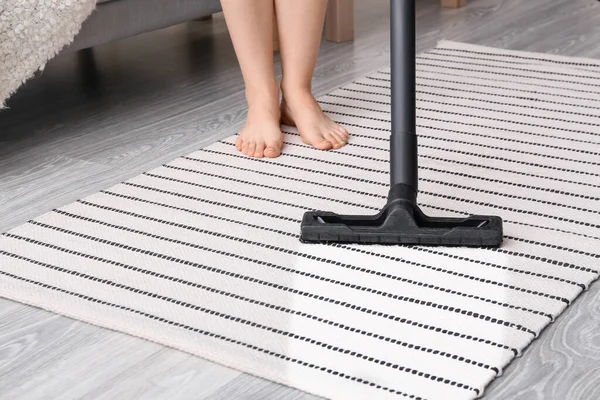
(203, 254)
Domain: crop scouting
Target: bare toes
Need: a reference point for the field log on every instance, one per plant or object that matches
(323, 143)
(343, 133)
(338, 138)
(260, 149)
(273, 149)
(244, 145)
(251, 149)
(336, 143)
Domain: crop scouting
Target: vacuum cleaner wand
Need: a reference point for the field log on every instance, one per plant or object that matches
(401, 221)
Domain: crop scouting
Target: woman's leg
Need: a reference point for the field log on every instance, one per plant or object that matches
(300, 26)
(250, 24)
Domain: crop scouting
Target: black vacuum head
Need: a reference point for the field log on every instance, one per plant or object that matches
(401, 222)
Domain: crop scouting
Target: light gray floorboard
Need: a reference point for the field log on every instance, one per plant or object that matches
(93, 119)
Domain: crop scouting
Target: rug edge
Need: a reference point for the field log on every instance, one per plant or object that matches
(27, 300)
(452, 44)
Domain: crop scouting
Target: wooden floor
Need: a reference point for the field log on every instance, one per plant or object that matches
(96, 118)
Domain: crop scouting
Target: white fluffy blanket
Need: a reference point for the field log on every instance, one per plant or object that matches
(31, 33)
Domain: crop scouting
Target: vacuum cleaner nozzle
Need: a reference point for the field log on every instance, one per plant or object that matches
(401, 222)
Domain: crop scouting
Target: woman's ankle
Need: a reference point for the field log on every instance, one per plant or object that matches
(295, 91)
(266, 95)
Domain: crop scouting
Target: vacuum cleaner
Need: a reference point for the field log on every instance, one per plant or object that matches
(401, 221)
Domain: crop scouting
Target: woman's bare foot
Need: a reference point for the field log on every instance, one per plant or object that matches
(261, 135)
(300, 109)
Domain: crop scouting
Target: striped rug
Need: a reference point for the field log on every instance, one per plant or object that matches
(202, 254)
